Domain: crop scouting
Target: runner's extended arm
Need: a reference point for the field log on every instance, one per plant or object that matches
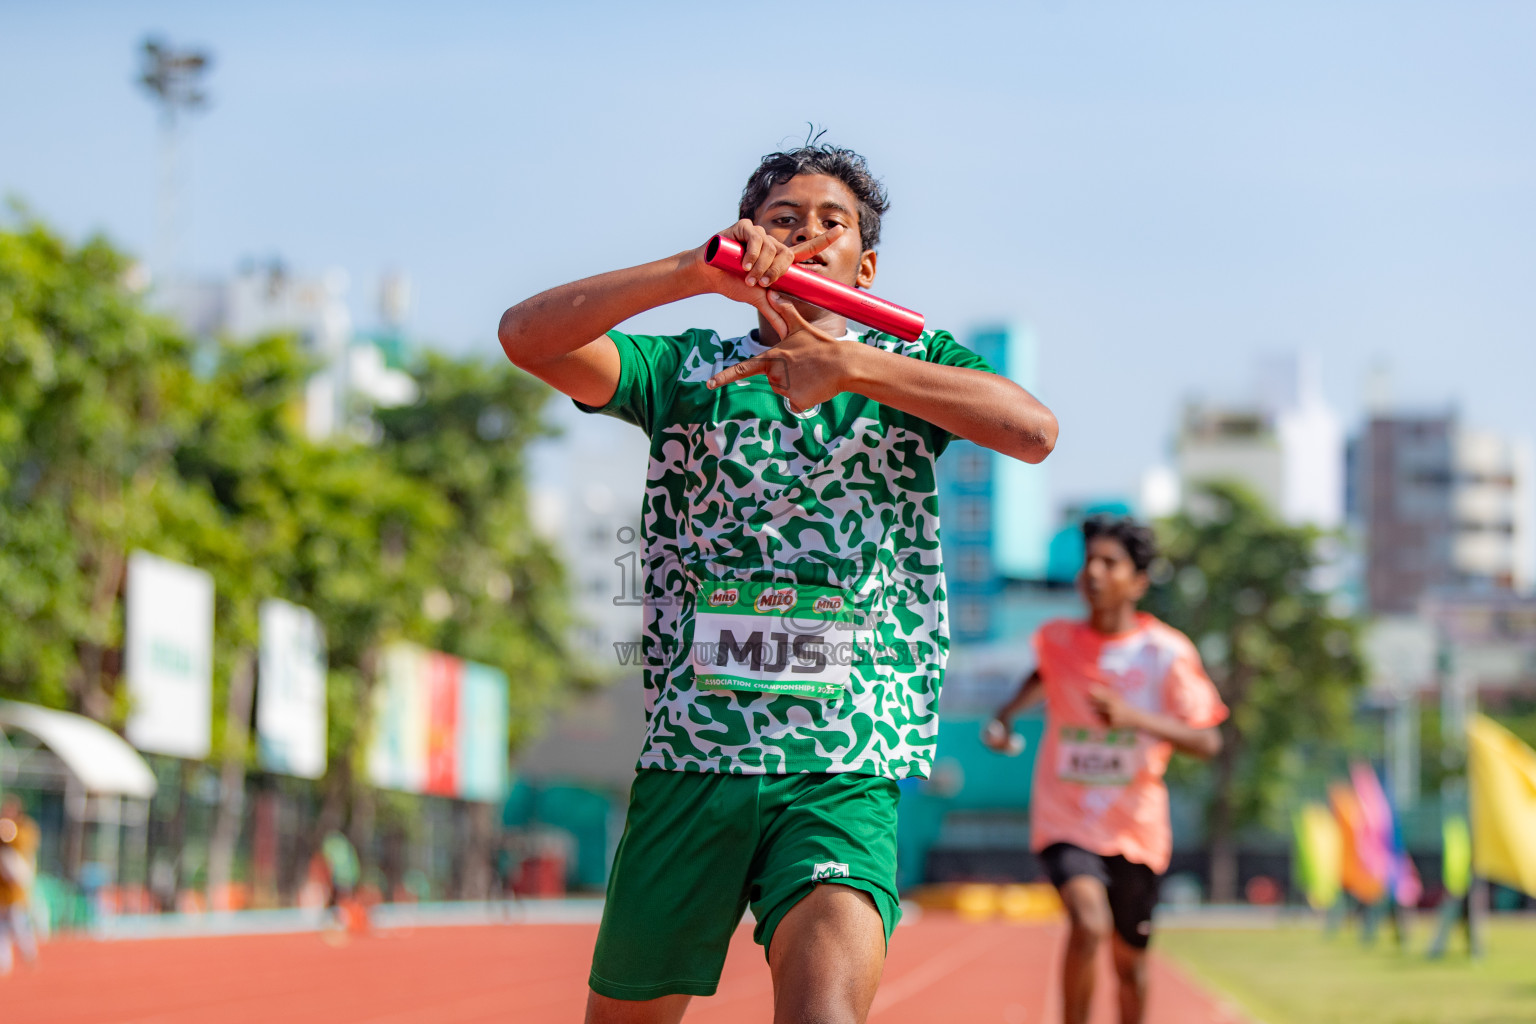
(810, 366)
(1031, 690)
(1117, 714)
(559, 335)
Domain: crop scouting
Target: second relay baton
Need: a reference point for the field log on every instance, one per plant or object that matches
(830, 295)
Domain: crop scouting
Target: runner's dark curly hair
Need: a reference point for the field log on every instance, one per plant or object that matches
(843, 164)
(1137, 538)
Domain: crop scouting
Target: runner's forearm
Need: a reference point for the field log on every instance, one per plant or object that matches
(1030, 692)
(1202, 743)
(557, 322)
(986, 408)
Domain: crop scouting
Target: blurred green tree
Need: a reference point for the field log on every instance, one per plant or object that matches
(1243, 585)
(332, 527)
(109, 441)
(94, 394)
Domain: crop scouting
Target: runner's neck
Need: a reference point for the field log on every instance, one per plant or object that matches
(1114, 622)
(833, 324)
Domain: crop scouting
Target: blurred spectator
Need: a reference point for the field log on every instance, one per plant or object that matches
(18, 868)
(344, 871)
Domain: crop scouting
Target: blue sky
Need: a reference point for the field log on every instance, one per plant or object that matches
(1164, 191)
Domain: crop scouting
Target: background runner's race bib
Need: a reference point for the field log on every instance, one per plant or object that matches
(1096, 757)
(773, 638)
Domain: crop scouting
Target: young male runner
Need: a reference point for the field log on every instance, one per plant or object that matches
(1122, 691)
(795, 631)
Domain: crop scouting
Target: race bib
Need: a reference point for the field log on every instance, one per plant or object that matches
(773, 638)
(1096, 757)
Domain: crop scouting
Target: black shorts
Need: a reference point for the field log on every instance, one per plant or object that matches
(1132, 887)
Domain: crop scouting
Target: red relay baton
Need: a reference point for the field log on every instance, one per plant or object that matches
(834, 296)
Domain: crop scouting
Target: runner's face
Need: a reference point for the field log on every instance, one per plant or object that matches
(809, 205)
(1109, 579)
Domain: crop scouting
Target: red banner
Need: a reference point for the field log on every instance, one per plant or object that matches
(444, 674)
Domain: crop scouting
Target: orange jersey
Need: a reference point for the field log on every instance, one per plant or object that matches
(1102, 789)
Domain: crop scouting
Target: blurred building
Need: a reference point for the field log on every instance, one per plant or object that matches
(1441, 508)
(357, 371)
(1286, 445)
(995, 510)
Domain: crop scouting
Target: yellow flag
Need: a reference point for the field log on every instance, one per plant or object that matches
(1502, 776)
(1456, 855)
(1319, 855)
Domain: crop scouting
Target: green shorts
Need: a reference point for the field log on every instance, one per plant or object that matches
(700, 847)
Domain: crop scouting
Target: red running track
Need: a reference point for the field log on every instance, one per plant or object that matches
(940, 970)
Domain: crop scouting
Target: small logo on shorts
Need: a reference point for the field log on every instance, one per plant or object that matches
(829, 869)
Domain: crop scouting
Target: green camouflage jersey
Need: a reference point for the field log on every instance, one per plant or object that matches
(743, 493)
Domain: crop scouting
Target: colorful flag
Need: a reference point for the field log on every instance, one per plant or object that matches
(1362, 877)
(1501, 771)
(1375, 825)
(1387, 854)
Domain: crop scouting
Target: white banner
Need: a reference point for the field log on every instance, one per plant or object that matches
(398, 752)
(170, 656)
(290, 698)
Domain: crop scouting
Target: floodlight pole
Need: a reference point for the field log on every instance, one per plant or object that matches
(173, 79)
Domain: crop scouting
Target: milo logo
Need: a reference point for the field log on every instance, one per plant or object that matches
(724, 598)
(828, 604)
(776, 600)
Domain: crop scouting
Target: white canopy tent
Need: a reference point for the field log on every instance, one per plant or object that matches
(104, 781)
(101, 761)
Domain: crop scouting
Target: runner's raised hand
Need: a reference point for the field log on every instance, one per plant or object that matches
(765, 260)
(808, 367)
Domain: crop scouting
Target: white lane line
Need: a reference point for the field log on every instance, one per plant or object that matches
(931, 971)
